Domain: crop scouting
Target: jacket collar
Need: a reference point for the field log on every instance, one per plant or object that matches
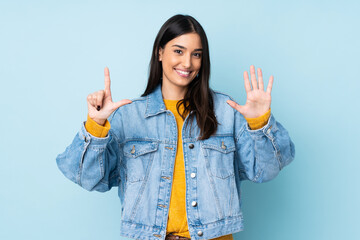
(154, 102)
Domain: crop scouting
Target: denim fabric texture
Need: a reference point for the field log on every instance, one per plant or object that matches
(138, 155)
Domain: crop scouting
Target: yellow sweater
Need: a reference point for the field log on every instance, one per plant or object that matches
(177, 220)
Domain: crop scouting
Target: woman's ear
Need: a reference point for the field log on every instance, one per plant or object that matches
(160, 54)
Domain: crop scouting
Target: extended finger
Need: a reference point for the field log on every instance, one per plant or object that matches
(236, 106)
(253, 77)
(269, 87)
(122, 103)
(107, 81)
(261, 82)
(247, 82)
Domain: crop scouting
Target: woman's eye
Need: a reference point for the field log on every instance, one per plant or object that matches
(197, 54)
(177, 51)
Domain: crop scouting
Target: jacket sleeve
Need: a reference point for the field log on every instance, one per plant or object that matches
(261, 153)
(92, 162)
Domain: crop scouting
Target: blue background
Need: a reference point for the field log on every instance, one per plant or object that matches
(52, 55)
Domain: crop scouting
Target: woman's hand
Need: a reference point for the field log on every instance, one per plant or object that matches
(257, 100)
(100, 104)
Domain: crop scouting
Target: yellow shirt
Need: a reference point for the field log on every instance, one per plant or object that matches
(177, 220)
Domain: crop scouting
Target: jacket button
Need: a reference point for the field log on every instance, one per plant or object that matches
(192, 175)
(193, 203)
(223, 146)
(199, 233)
(191, 146)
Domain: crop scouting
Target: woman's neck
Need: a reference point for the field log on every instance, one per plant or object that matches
(171, 92)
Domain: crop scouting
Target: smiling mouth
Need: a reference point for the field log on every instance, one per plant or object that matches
(183, 73)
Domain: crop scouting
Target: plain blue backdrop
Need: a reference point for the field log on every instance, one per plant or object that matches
(53, 54)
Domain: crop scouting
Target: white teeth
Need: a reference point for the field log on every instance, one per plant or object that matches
(182, 72)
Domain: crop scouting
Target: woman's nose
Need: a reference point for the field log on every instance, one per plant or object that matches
(186, 61)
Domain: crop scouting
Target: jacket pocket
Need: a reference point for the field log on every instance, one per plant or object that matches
(138, 155)
(219, 151)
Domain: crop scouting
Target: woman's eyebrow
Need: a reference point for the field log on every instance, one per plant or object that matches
(198, 49)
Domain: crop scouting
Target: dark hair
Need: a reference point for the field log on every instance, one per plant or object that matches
(198, 97)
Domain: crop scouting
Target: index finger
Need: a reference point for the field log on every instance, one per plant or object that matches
(107, 81)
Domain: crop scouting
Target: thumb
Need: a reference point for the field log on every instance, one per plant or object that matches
(236, 106)
(122, 103)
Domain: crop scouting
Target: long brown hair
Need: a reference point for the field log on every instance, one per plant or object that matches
(198, 97)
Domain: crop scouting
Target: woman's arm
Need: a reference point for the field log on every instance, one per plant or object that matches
(92, 162)
(262, 153)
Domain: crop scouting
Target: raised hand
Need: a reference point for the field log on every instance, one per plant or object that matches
(257, 100)
(100, 104)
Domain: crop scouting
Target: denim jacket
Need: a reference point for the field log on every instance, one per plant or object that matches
(138, 155)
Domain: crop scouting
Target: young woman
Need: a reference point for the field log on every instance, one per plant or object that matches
(179, 152)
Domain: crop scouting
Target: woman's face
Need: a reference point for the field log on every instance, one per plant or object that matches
(181, 60)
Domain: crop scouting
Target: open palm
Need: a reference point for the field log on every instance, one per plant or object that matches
(258, 101)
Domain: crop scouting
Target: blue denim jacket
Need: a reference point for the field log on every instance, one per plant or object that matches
(138, 156)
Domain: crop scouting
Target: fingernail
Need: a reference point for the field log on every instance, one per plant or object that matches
(98, 108)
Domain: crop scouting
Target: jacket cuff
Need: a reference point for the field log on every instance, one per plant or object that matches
(259, 122)
(95, 129)
(268, 130)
